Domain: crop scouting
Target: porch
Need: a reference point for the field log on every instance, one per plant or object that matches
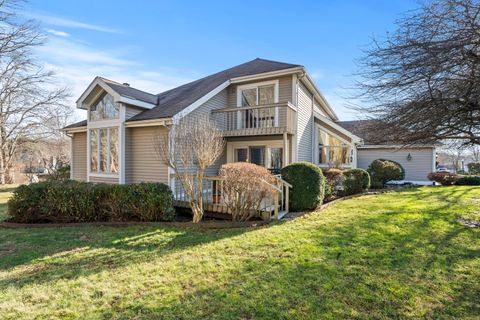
(271, 119)
(273, 206)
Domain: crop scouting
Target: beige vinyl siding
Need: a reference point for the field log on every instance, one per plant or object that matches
(304, 124)
(141, 161)
(79, 156)
(111, 180)
(417, 169)
(219, 101)
(284, 89)
(131, 111)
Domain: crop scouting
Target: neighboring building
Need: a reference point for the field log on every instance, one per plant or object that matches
(271, 113)
(417, 160)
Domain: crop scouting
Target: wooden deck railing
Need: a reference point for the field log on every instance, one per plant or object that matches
(258, 120)
(274, 204)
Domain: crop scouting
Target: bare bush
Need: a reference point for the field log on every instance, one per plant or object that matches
(191, 146)
(245, 185)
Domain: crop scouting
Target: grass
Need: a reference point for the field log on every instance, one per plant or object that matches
(389, 256)
(5, 194)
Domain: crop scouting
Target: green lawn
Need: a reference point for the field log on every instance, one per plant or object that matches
(396, 255)
(5, 194)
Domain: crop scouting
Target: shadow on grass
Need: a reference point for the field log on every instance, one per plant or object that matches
(392, 265)
(74, 252)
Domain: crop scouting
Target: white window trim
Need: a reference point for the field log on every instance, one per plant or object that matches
(276, 94)
(104, 174)
(268, 144)
(97, 100)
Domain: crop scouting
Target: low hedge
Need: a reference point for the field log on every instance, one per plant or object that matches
(334, 182)
(444, 178)
(356, 181)
(74, 201)
(308, 185)
(468, 181)
(474, 167)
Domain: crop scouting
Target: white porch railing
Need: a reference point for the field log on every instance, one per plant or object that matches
(274, 204)
(257, 120)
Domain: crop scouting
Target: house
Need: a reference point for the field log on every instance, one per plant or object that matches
(418, 160)
(271, 113)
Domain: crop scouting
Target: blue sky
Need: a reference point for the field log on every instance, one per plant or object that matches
(157, 45)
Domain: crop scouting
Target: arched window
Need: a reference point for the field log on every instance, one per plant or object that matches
(104, 109)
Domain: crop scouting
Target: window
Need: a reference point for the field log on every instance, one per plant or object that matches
(257, 155)
(276, 159)
(241, 155)
(331, 150)
(104, 150)
(104, 109)
(261, 95)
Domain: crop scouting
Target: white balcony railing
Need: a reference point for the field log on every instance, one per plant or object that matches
(258, 120)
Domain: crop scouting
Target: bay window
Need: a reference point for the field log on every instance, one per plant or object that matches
(104, 150)
(332, 151)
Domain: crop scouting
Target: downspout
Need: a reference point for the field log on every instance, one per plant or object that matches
(313, 129)
(71, 154)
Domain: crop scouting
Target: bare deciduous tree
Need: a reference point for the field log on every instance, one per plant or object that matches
(423, 80)
(31, 107)
(191, 146)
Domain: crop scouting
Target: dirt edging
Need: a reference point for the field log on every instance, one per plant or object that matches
(201, 225)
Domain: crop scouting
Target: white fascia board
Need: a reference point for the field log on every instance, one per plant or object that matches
(74, 130)
(337, 127)
(200, 101)
(318, 94)
(135, 102)
(149, 123)
(97, 81)
(394, 146)
(267, 74)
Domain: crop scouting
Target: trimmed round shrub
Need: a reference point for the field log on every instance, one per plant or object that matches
(474, 168)
(468, 181)
(74, 201)
(334, 181)
(382, 171)
(308, 185)
(356, 181)
(444, 178)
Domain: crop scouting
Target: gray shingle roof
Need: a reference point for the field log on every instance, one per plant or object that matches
(82, 123)
(371, 132)
(173, 101)
(127, 91)
(364, 129)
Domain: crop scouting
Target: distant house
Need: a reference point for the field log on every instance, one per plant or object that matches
(271, 114)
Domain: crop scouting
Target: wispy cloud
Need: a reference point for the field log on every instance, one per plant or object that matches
(58, 33)
(76, 64)
(69, 23)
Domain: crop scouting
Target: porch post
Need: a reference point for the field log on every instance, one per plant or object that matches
(285, 149)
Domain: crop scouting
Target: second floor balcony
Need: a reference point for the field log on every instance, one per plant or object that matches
(271, 119)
